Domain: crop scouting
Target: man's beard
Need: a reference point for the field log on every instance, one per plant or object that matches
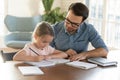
(71, 31)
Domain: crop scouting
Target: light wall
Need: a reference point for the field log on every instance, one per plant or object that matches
(33, 7)
(23, 7)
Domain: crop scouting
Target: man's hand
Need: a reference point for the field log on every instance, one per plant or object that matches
(71, 52)
(78, 57)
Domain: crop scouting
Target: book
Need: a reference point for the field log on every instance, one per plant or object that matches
(43, 63)
(82, 65)
(102, 61)
(30, 70)
(49, 62)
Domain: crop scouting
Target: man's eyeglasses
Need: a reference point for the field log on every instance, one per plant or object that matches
(74, 25)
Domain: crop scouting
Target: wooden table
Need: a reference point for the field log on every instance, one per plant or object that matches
(9, 71)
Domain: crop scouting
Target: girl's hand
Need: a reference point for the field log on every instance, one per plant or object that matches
(47, 57)
(41, 57)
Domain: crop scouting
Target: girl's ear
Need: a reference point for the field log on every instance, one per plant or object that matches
(35, 37)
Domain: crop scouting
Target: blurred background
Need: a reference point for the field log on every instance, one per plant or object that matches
(104, 15)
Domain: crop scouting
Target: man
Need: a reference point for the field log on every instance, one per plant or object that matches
(74, 34)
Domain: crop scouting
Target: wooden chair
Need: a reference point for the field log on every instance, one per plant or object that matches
(7, 56)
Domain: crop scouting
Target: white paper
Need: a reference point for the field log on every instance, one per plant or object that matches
(30, 70)
(58, 61)
(43, 63)
(46, 63)
(82, 65)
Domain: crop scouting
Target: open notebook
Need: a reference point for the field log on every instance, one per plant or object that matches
(46, 63)
(59, 61)
(82, 65)
(43, 63)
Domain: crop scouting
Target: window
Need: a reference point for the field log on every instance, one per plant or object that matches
(105, 17)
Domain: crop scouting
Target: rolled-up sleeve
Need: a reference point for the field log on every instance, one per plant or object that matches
(96, 39)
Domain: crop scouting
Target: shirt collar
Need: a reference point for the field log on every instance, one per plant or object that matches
(78, 30)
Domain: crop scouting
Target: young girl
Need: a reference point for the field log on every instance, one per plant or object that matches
(39, 49)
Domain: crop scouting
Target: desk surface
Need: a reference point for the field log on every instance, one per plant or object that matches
(9, 71)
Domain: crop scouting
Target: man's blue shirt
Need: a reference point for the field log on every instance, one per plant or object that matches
(79, 41)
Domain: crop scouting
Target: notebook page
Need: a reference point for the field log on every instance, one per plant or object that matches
(30, 70)
(43, 63)
(82, 65)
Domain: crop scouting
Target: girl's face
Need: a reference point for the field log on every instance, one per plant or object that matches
(43, 41)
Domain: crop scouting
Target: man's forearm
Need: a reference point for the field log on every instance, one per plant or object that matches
(99, 52)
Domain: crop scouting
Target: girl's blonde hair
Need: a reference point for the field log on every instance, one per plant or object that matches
(43, 28)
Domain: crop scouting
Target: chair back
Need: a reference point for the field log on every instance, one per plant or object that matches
(20, 30)
(21, 24)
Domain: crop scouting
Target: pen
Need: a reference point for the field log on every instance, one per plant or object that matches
(34, 51)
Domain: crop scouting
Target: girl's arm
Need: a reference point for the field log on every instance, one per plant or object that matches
(56, 54)
(21, 56)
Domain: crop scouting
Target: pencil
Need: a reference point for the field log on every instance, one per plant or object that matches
(34, 51)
